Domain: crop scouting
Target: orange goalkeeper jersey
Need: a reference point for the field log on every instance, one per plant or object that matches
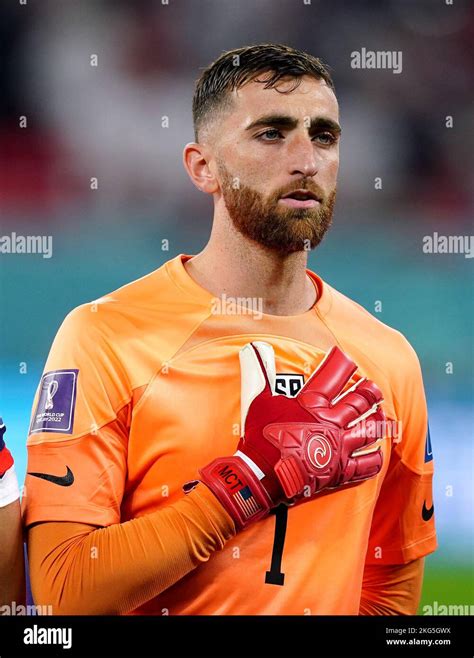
(142, 387)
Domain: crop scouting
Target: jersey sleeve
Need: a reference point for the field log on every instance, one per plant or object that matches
(403, 526)
(78, 435)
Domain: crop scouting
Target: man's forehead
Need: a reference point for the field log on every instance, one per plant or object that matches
(305, 95)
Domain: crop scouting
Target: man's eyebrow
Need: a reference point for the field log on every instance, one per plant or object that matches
(283, 121)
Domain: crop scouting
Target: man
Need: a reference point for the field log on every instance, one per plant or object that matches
(315, 510)
(12, 577)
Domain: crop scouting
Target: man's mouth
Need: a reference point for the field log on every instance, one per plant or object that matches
(300, 199)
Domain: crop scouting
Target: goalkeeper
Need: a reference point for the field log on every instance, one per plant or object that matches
(279, 423)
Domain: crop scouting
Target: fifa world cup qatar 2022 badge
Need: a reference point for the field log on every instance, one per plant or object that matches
(56, 402)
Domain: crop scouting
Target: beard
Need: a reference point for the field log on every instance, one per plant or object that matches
(272, 225)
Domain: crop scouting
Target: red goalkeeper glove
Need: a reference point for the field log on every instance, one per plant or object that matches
(292, 448)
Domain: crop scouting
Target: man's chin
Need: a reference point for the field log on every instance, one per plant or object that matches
(290, 244)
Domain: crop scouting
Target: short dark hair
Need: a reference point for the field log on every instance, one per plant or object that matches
(235, 68)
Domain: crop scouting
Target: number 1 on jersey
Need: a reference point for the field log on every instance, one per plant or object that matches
(275, 576)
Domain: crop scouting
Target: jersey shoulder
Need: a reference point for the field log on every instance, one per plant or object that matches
(136, 327)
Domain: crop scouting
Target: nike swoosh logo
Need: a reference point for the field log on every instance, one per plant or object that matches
(63, 481)
(427, 513)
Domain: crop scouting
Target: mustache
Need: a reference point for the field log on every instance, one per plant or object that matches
(302, 185)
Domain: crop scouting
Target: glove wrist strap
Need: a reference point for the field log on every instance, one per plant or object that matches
(237, 488)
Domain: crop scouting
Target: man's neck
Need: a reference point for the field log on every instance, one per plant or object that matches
(237, 267)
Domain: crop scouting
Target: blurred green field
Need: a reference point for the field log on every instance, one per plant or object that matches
(447, 584)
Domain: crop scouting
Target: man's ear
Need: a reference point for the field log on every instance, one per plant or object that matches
(195, 160)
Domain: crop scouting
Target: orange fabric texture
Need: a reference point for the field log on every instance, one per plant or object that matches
(393, 589)
(128, 563)
(156, 395)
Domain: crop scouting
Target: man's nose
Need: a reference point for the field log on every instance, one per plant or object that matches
(303, 156)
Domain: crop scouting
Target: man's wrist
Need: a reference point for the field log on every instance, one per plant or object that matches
(237, 488)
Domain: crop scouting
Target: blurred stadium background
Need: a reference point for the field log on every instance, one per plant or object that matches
(108, 122)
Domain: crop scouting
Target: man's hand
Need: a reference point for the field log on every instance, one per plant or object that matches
(293, 448)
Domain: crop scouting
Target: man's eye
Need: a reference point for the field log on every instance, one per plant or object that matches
(325, 138)
(270, 135)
